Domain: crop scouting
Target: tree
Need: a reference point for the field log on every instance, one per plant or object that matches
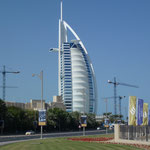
(19, 120)
(91, 121)
(3, 110)
(30, 116)
(14, 118)
(58, 119)
(108, 115)
(75, 122)
(113, 118)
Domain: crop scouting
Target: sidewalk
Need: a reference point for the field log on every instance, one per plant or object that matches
(131, 142)
(139, 144)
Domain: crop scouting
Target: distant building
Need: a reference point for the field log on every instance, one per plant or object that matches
(15, 104)
(33, 105)
(57, 103)
(27, 105)
(36, 104)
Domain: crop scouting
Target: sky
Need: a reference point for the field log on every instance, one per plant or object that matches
(116, 34)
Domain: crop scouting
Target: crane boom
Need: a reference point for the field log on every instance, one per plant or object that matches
(10, 72)
(113, 97)
(129, 85)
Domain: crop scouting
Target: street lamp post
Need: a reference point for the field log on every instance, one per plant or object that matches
(84, 103)
(106, 113)
(106, 107)
(41, 78)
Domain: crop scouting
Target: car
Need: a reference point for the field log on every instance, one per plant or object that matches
(30, 132)
(98, 128)
(101, 128)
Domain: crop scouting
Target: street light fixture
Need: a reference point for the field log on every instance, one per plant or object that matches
(41, 78)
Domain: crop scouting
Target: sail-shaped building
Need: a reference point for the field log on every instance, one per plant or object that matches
(76, 77)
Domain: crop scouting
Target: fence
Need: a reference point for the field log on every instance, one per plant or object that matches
(134, 132)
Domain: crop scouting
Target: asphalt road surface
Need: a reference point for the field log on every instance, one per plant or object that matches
(16, 138)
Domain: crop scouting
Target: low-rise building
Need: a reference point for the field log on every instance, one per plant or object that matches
(27, 105)
(15, 104)
(37, 104)
(57, 103)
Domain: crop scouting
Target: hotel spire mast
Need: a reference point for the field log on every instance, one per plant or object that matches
(62, 39)
(61, 10)
(59, 52)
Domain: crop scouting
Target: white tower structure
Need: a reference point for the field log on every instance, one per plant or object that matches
(76, 77)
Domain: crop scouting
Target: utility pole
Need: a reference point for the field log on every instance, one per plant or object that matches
(41, 78)
(4, 72)
(106, 107)
(115, 83)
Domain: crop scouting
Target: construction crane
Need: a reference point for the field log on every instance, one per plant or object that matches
(120, 98)
(4, 79)
(115, 83)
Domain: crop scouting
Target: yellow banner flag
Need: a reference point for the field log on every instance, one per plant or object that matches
(132, 110)
(145, 114)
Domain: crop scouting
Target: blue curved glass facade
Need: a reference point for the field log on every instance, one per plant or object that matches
(77, 89)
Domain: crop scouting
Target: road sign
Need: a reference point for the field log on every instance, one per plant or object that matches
(83, 120)
(42, 117)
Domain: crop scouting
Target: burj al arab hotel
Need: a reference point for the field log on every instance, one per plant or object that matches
(76, 77)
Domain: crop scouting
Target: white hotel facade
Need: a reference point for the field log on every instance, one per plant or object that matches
(76, 77)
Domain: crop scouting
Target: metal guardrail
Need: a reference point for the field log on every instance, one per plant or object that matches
(129, 132)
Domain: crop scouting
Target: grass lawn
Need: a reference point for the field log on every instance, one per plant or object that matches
(64, 144)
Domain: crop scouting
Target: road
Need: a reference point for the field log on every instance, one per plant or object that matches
(16, 138)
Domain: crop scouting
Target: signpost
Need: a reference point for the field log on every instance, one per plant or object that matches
(84, 123)
(42, 112)
(42, 119)
(106, 124)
